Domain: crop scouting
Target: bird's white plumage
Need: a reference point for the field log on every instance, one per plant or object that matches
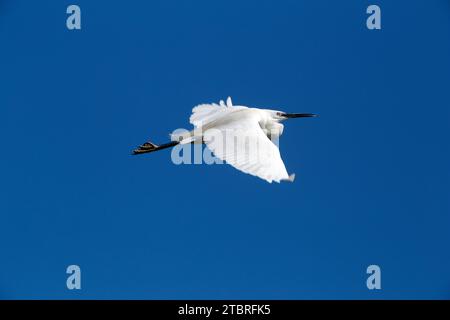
(241, 136)
(207, 113)
(235, 135)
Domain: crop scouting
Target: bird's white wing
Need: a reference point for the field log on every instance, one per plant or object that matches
(207, 113)
(243, 144)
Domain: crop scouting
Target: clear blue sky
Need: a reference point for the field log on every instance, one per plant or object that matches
(373, 174)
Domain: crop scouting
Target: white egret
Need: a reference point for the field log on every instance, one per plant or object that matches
(245, 129)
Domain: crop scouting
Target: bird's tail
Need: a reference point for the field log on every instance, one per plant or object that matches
(150, 147)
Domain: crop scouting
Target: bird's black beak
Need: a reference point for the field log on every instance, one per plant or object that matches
(298, 115)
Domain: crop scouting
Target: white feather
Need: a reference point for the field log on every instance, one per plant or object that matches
(207, 113)
(239, 140)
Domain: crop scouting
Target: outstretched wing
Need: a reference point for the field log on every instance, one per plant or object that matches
(243, 144)
(206, 113)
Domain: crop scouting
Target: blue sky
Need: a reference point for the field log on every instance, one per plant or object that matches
(373, 174)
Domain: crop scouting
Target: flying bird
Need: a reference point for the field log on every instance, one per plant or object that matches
(249, 133)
